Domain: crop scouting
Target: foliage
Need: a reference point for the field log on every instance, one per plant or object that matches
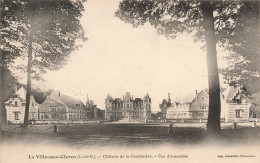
(46, 32)
(244, 42)
(158, 115)
(171, 18)
(55, 28)
(37, 93)
(236, 29)
(210, 21)
(91, 113)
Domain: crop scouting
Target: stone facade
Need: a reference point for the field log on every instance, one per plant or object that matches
(200, 105)
(15, 107)
(235, 106)
(128, 107)
(178, 111)
(61, 107)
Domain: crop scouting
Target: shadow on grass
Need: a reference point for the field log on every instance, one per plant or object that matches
(128, 135)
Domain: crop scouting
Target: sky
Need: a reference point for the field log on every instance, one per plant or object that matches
(118, 58)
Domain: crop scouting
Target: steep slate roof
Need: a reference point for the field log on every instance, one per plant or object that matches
(69, 100)
(201, 92)
(138, 100)
(127, 95)
(232, 92)
(21, 93)
(164, 101)
(117, 100)
(185, 99)
(147, 98)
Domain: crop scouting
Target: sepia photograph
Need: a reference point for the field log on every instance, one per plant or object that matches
(129, 81)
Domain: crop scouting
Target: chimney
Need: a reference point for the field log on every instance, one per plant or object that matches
(196, 94)
(59, 93)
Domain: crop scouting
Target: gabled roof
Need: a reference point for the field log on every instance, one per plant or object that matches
(21, 93)
(202, 91)
(232, 93)
(64, 99)
(235, 91)
(185, 99)
(69, 100)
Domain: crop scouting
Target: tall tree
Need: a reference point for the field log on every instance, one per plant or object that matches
(44, 32)
(244, 44)
(213, 125)
(8, 87)
(209, 20)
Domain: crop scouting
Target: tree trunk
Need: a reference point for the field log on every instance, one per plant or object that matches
(1, 93)
(1, 80)
(28, 89)
(95, 113)
(213, 125)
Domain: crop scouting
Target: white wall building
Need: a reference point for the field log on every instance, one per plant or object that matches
(15, 107)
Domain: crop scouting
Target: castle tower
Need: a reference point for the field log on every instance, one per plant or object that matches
(147, 106)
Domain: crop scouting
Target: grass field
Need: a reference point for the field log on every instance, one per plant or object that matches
(113, 135)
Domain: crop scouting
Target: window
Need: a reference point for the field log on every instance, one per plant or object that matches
(16, 115)
(15, 103)
(238, 115)
(203, 107)
(53, 109)
(202, 97)
(46, 116)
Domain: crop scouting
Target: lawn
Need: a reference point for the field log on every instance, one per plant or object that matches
(113, 135)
